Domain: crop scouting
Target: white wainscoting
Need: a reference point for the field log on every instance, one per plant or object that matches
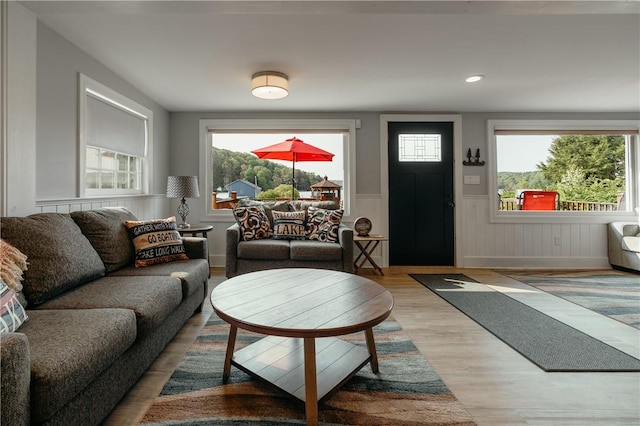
(144, 207)
(528, 245)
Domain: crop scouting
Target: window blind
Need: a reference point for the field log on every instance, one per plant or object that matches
(114, 129)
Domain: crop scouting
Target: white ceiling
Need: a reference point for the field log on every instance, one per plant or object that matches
(565, 56)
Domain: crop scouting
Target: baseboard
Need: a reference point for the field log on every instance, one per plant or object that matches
(517, 262)
(217, 260)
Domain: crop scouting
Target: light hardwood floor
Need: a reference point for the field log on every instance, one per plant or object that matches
(495, 384)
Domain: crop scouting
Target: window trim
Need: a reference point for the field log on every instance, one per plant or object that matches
(89, 87)
(632, 171)
(348, 126)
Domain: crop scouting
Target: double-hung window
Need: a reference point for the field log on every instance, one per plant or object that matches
(585, 171)
(115, 135)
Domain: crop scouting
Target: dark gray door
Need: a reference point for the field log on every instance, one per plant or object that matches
(421, 207)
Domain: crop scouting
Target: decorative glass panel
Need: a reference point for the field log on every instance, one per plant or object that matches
(419, 148)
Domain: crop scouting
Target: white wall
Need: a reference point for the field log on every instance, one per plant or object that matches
(18, 137)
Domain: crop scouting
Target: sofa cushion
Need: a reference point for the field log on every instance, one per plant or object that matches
(253, 222)
(151, 298)
(631, 244)
(156, 241)
(263, 249)
(60, 256)
(297, 205)
(322, 224)
(315, 250)
(192, 273)
(105, 230)
(69, 349)
(289, 225)
(12, 313)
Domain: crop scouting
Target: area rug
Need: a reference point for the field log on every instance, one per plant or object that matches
(407, 391)
(613, 294)
(545, 341)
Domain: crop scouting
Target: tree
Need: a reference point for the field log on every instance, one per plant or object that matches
(597, 156)
(280, 191)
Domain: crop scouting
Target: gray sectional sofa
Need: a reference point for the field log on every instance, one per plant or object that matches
(255, 255)
(96, 322)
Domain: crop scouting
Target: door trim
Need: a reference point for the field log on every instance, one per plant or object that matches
(456, 119)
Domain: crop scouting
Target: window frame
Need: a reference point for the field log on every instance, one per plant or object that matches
(207, 126)
(89, 87)
(632, 171)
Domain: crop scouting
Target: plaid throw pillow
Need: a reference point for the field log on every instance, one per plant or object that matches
(12, 314)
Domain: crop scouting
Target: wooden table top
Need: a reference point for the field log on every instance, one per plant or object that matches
(300, 302)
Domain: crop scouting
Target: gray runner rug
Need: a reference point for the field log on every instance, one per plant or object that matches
(545, 341)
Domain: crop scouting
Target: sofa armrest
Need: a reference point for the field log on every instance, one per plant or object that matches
(15, 372)
(232, 241)
(196, 247)
(345, 238)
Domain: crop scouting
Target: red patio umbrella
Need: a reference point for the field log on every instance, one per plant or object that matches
(294, 150)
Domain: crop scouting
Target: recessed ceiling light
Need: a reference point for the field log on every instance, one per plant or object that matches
(474, 78)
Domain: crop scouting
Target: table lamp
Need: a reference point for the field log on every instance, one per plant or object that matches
(183, 187)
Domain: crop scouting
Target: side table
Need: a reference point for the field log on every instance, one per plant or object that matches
(371, 242)
(195, 230)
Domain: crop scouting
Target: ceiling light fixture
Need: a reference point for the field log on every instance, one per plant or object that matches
(269, 85)
(474, 78)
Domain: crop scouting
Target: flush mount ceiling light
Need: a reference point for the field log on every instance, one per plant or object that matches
(269, 85)
(474, 78)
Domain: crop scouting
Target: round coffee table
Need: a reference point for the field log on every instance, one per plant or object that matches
(294, 307)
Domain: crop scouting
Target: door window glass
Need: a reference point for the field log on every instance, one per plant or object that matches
(419, 148)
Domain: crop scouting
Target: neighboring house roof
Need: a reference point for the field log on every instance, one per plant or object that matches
(245, 182)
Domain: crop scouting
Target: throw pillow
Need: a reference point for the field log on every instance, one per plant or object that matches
(12, 314)
(322, 224)
(156, 241)
(12, 263)
(254, 223)
(289, 225)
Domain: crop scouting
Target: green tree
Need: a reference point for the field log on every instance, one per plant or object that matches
(597, 156)
(280, 191)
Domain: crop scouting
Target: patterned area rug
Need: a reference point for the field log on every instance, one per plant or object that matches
(407, 391)
(613, 294)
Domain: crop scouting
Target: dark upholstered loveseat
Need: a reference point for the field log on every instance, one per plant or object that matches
(249, 256)
(96, 322)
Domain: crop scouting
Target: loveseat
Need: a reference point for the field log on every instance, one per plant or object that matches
(95, 321)
(267, 251)
(624, 245)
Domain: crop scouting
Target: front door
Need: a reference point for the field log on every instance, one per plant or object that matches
(421, 207)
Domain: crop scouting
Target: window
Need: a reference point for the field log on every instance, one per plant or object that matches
(238, 137)
(115, 135)
(565, 170)
(419, 148)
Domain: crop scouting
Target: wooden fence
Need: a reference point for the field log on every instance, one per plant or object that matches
(512, 204)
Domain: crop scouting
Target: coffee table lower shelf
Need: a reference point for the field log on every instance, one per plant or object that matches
(280, 362)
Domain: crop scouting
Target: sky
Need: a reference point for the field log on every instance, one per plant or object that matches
(245, 142)
(521, 153)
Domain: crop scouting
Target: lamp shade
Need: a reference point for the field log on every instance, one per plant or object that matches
(269, 85)
(182, 187)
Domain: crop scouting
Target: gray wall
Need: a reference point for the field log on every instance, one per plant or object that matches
(185, 141)
(58, 65)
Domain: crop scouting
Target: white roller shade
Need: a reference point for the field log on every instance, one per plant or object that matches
(114, 128)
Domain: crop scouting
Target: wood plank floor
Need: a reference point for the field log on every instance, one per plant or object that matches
(496, 385)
